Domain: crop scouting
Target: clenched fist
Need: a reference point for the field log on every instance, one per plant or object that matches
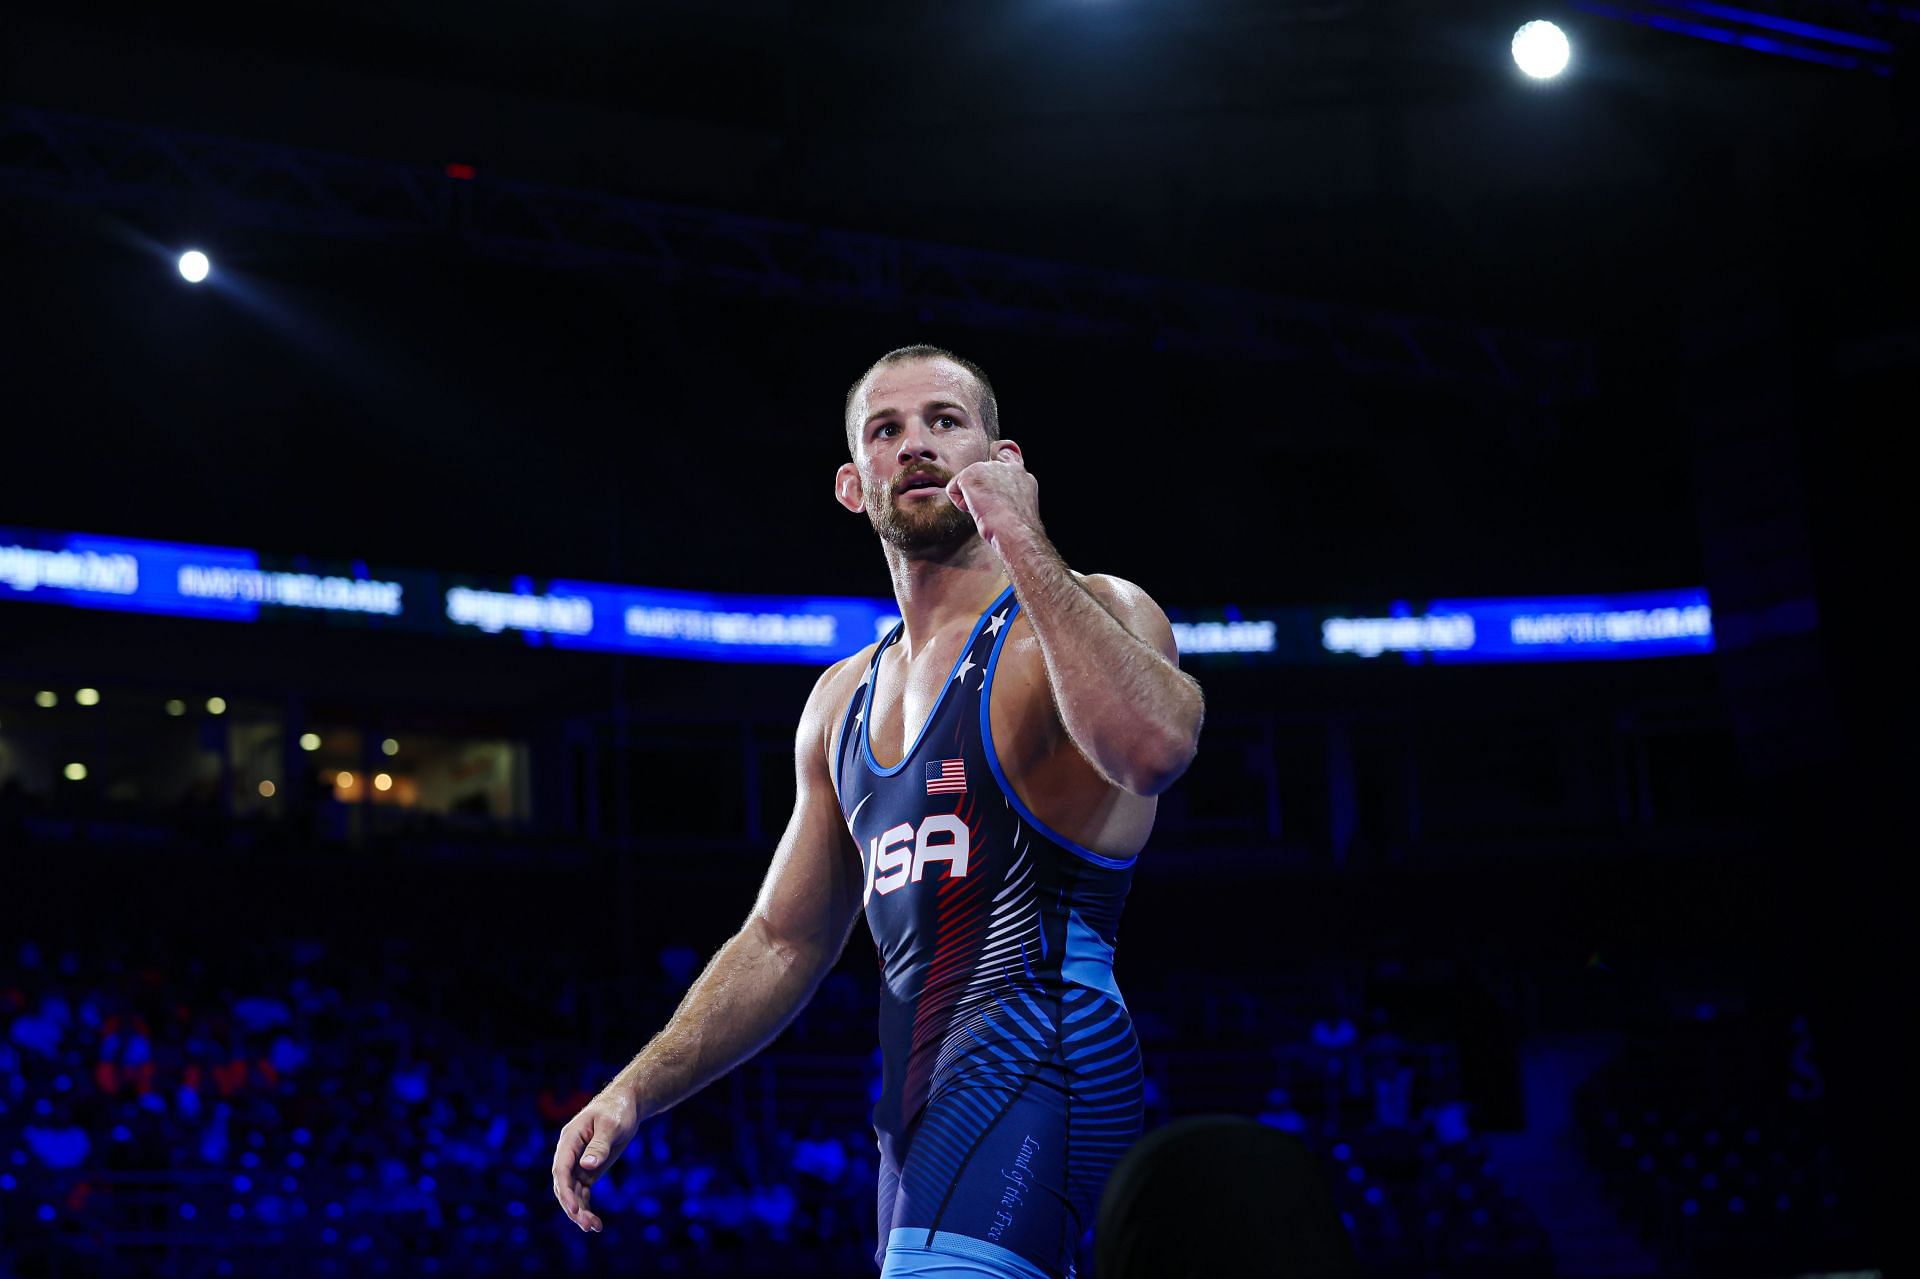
(1000, 494)
(589, 1143)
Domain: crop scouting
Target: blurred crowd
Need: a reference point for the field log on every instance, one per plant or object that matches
(328, 1110)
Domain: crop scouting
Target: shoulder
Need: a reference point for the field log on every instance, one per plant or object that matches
(1134, 609)
(828, 701)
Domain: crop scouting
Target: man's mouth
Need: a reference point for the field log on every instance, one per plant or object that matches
(921, 484)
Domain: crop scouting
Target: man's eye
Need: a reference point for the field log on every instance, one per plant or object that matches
(948, 417)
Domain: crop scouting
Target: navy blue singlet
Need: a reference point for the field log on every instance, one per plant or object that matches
(1011, 1080)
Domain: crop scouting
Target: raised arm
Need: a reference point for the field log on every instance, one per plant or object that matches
(1109, 650)
(754, 985)
(1112, 666)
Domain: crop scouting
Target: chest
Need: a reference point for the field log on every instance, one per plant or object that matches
(964, 717)
(946, 684)
(906, 695)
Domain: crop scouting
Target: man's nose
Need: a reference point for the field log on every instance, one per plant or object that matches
(915, 440)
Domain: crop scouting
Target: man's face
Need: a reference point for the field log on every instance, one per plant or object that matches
(915, 426)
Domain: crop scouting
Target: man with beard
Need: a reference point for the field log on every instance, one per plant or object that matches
(979, 783)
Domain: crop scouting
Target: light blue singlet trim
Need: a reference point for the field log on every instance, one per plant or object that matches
(1089, 959)
(873, 684)
(952, 1256)
(993, 762)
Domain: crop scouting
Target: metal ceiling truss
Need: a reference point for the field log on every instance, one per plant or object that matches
(212, 181)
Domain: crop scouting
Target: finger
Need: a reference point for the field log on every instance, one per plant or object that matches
(585, 1218)
(565, 1153)
(958, 498)
(567, 1191)
(589, 1219)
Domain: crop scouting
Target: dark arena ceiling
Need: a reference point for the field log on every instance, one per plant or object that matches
(544, 400)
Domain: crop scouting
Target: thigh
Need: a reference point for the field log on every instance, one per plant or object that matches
(985, 1182)
(889, 1198)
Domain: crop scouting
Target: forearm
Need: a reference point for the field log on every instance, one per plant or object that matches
(745, 997)
(1132, 712)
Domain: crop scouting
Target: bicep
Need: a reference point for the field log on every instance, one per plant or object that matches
(811, 894)
(1135, 610)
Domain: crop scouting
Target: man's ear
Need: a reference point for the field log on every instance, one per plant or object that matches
(1003, 447)
(846, 487)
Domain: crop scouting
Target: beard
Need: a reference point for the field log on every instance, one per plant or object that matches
(927, 524)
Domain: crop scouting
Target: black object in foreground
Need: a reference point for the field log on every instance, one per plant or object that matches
(1216, 1195)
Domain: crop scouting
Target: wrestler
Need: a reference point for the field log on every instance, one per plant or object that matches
(978, 783)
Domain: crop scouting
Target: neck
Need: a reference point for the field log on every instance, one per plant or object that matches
(936, 589)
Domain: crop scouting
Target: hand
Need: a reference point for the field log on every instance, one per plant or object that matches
(1000, 493)
(589, 1143)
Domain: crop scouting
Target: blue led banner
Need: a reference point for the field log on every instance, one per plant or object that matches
(1557, 628)
(239, 585)
(662, 623)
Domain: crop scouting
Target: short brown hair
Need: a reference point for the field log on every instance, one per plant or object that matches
(989, 403)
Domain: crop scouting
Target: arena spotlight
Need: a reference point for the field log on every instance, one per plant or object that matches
(194, 264)
(1541, 50)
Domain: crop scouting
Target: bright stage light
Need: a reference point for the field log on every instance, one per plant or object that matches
(1541, 50)
(194, 266)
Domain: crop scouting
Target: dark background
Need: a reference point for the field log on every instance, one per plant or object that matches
(1696, 261)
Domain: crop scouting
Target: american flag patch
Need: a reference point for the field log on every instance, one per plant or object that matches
(947, 777)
